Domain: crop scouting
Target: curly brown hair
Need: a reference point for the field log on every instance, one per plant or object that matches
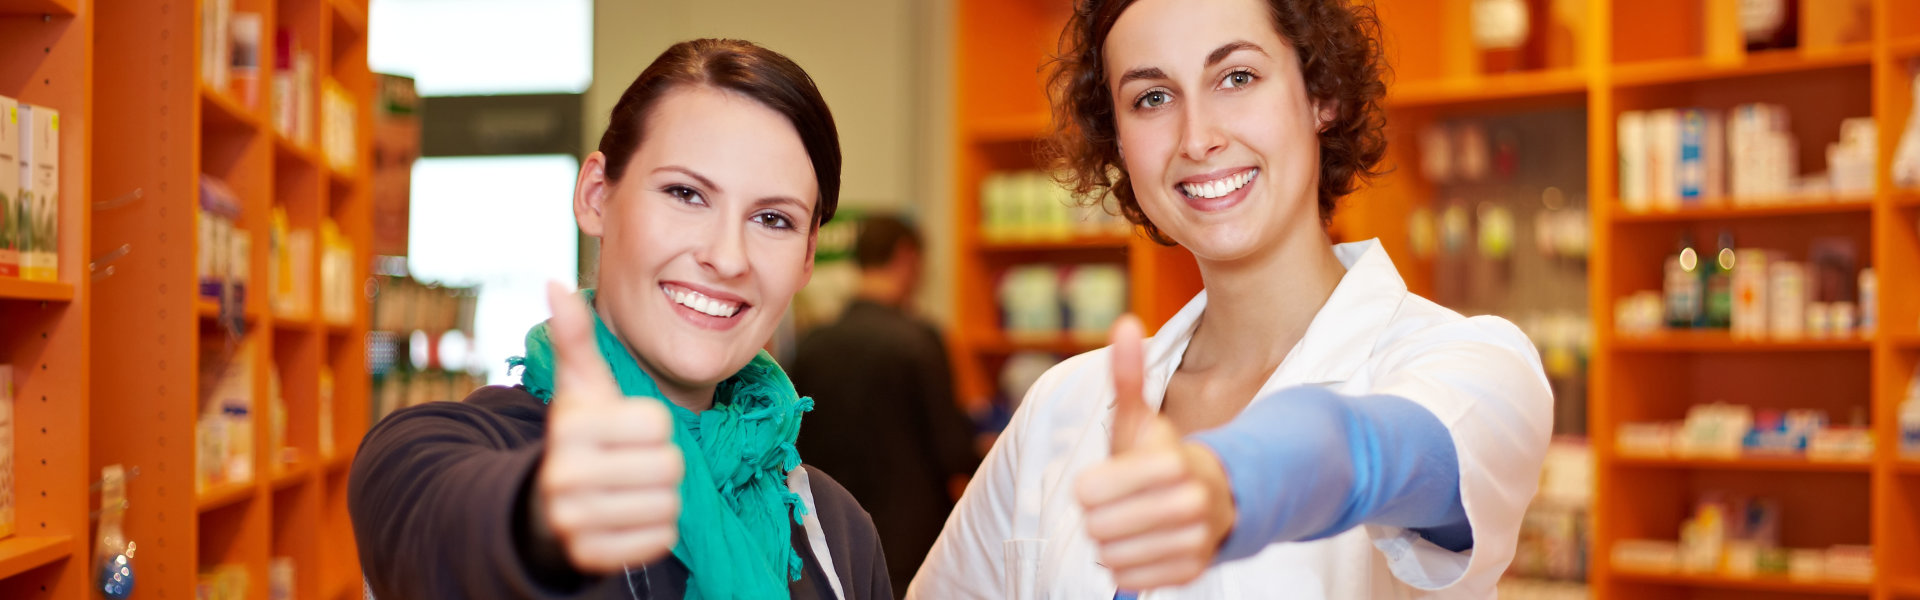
(1338, 42)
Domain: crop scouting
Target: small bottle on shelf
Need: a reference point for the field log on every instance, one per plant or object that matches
(1719, 287)
(1683, 286)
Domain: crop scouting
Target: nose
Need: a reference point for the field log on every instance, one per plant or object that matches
(724, 252)
(1200, 135)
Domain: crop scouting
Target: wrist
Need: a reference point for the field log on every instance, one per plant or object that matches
(1212, 475)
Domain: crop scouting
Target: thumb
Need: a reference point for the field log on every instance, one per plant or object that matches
(580, 374)
(1131, 416)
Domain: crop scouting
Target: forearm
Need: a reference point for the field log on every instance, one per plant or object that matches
(1309, 463)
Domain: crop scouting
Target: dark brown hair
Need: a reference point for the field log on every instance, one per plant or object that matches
(879, 240)
(743, 68)
(1338, 42)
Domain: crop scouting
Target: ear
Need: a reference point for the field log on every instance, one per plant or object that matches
(590, 192)
(806, 268)
(1324, 113)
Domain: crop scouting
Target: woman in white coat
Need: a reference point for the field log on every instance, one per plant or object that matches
(1305, 427)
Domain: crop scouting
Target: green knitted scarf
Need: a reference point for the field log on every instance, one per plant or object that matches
(736, 515)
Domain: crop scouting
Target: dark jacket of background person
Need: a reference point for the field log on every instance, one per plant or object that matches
(438, 498)
(884, 420)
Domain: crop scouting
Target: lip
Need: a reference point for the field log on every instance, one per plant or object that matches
(704, 320)
(1223, 202)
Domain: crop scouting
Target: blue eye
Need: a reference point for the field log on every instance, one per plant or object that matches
(1153, 99)
(774, 220)
(685, 194)
(1238, 78)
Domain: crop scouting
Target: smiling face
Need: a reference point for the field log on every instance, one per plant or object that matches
(1215, 126)
(705, 238)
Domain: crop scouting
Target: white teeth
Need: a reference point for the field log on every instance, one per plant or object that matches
(1218, 187)
(703, 304)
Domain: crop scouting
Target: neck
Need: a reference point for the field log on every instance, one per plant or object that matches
(879, 288)
(695, 398)
(1259, 307)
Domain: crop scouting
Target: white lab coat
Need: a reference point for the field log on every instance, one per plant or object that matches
(1480, 376)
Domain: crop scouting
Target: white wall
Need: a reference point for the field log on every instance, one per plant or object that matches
(883, 65)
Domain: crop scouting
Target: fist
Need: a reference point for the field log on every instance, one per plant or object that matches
(608, 488)
(1158, 507)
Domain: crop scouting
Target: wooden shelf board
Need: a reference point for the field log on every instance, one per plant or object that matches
(224, 495)
(306, 323)
(342, 180)
(1906, 198)
(340, 462)
(350, 13)
(20, 289)
(1905, 340)
(1907, 466)
(1469, 90)
(20, 554)
(1756, 583)
(210, 309)
(1090, 242)
(222, 112)
(1063, 345)
(285, 146)
(64, 8)
(1017, 128)
(1783, 465)
(1728, 211)
(1906, 46)
(292, 475)
(1721, 341)
(1691, 70)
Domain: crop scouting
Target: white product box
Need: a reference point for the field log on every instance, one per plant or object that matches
(1663, 158)
(12, 210)
(40, 189)
(1632, 130)
(1786, 299)
(1750, 294)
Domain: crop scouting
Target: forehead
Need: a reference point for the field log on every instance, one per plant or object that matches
(741, 144)
(1175, 36)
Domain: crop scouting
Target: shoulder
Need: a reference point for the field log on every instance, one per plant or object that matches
(841, 515)
(1423, 325)
(504, 415)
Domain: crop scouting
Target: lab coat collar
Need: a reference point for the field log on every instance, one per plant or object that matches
(1338, 341)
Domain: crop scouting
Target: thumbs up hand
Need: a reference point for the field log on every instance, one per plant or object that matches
(608, 489)
(1158, 507)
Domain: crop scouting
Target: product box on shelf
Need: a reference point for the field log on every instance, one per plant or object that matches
(245, 57)
(6, 451)
(40, 190)
(12, 210)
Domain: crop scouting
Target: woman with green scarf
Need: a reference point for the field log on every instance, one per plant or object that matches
(648, 450)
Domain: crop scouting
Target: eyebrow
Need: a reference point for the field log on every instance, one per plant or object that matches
(1213, 58)
(774, 200)
(701, 179)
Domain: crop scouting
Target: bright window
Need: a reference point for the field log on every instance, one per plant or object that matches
(505, 223)
(484, 47)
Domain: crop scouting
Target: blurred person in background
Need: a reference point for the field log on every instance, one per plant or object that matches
(884, 420)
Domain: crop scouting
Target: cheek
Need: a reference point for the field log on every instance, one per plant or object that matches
(780, 265)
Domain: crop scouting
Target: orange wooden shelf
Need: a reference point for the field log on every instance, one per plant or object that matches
(1019, 128)
(1756, 583)
(340, 462)
(1904, 588)
(1905, 340)
(1728, 210)
(294, 323)
(1468, 90)
(1689, 70)
(65, 8)
(1770, 464)
(1907, 466)
(21, 289)
(222, 112)
(291, 475)
(351, 14)
(285, 146)
(224, 495)
(1906, 46)
(1000, 343)
(210, 309)
(1089, 242)
(20, 554)
(343, 180)
(1906, 197)
(1721, 341)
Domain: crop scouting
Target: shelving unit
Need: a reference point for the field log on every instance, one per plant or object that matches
(161, 125)
(1643, 54)
(46, 59)
(1000, 113)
